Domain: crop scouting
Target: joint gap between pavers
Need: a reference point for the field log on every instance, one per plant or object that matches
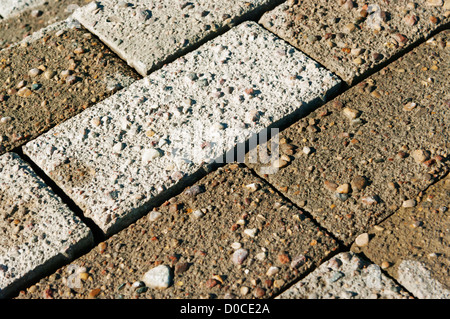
(384, 272)
(311, 269)
(339, 242)
(250, 16)
(435, 181)
(97, 233)
(396, 56)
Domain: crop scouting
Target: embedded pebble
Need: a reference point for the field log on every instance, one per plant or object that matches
(34, 72)
(362, 240)
(159, 277)
(409, 203)
(239, 256)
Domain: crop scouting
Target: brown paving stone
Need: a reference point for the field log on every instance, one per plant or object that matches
(419, 234)
(43, 102)
(351, 37)
(19, 26)
(381, 145)
(199, 250)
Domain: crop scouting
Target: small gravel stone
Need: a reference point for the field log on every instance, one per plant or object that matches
(359, 183)
(34, 72)
(343, 189)
(239, 256)
(409, 203)
(362, 240)
(159, 277)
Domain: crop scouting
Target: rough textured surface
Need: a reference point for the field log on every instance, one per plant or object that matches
(198, 235)
(352, 37)
(13, 7)
(346, 276)
(37, 230)
(169, 28)
(23, 24)
(118, 156)
(413, 244)
(374, 148)
(51, 76)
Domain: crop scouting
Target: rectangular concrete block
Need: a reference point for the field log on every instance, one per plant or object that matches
(147, 33)
(116, 157)
(354, 38)
(37, 230)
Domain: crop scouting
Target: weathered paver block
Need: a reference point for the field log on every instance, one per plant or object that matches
(115, 158)
(11, 7)
(413, 244)
(356, 160)
(148, 33)
(37, 230)
(351, 38)
(52, 75)
(346, 276)
(230, 235)
(23, 24)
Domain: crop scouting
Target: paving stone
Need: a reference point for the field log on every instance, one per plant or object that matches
(387, 138)
(196, 251)
(70, 70)
(346, 276)
(13, 7)
(351, 38)
(134, 148)
(147, 34)
(37, 230)
(23, 24)
(413, 244)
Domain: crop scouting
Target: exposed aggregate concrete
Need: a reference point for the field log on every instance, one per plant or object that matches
(148, 33)
(413, 245)
(346, 276)
(373, 149)
(220, 238)
(37, 230)
(350, 38)
(119, 156)
(52, 75)
(23, 24)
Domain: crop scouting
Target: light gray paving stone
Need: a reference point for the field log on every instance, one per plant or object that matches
(11, 7)
(346, 276)
(147, 33)
(37, 230)
(123, 153)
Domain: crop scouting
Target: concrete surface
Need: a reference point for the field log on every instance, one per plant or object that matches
(386, 135)
(135, 146)
(170, 28)
(37, 230)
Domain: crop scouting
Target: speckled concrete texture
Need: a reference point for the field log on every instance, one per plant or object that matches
(351, 38)
(230, 235)
(147, 34)
(374, 148)
(413, 244)
(37, 230)
(52, 75)
(346, 276)
(121, 155)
